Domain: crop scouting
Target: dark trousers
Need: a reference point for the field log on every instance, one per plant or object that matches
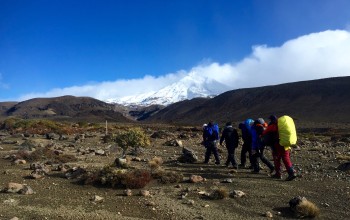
(211, 148)
(255, 160)
(246, 148)
(231, 156)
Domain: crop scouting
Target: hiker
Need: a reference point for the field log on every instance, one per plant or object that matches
(230, 136)
(247, 142)
(258, 146)
(279, 152)
(210, 139)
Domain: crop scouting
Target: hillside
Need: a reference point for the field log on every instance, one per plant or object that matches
(324, 100)
(64, 108)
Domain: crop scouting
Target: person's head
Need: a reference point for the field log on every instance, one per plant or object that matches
(273, 119)
(210, 124)
(204, 125)
(228, 124)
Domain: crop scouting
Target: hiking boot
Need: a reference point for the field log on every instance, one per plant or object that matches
(276, 176)
(291, 177)
(241, 166)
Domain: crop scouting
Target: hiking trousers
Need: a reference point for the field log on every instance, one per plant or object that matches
(246, 148)
(212, 148)
(278, 154)
(231, 156)
(255, 160)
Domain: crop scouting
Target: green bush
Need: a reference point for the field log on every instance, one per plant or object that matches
(133, 137)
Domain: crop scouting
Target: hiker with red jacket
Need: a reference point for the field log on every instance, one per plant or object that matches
(279, 152)
(210, 139)
(258, 146)
(230, 136)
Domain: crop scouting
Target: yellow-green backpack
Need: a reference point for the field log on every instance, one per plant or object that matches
(287, 132)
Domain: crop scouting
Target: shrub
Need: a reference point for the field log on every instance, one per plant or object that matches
(133, 137)
(307, 209)
(45, 154)
(168, 176)
(136, 179)
(156, 162)
(220, 193)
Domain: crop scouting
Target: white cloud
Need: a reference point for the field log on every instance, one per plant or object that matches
(313, 56)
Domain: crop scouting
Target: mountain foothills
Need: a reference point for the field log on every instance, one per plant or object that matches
(324, 100)
(68, 108)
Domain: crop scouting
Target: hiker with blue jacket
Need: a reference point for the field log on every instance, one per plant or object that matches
(230, 136)
(210, 139)
(247, 142)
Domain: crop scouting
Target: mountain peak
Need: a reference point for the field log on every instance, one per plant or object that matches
(189, 87)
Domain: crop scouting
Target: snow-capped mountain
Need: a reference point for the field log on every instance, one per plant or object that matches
(189, 87)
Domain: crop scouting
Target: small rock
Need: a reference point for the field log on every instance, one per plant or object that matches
(144, 193)
(100, 152)
(227, 181)
(14, 187)
(138, 159)
(19, 161)
(190, 202)
(150, 203)
(97, 198)
(14, 218)
(269, 214)
(196, 179)
(206, 206)
(128, 192)
(237, 194)
(26, 190)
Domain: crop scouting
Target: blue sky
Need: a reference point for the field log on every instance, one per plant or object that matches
(107, 49)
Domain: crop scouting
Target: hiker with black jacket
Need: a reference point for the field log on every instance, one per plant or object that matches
(258, 146)
(230, 136)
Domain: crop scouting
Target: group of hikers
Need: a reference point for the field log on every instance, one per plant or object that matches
(279, 134)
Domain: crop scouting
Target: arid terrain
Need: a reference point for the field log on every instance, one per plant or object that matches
(320, 150)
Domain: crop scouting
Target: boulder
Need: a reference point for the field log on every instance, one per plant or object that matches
(188, 156)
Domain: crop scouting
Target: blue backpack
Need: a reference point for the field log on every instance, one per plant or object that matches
(212, 133)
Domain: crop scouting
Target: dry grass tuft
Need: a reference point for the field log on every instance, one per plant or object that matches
(155, 163)
(220, 193)
(136, 179)
(45, 154)
(307, 209)
(165, 177)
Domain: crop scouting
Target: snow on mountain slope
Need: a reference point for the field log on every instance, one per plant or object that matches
(189, 87)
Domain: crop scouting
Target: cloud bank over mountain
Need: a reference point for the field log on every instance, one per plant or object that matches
(314, 56)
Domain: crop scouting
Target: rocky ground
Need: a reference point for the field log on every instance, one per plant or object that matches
(321, 158)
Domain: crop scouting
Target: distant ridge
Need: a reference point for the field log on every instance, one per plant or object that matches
(323, 100)
(64, 108)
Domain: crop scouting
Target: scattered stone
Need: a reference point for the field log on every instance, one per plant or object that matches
(97, 198)
(206, 206)
(13, 187)
(10, 201)
(14, 218)
(237, 194)
(121, 162)
(138, 159)
(128, 192)
(190, 202)
(75, 172)
(52, 136)
(150, 203)
(26, 190)
(188, 156)
(268, 214)
(196, 179)
(227, 180)
(145, 193)
(20, 161)
(100, 152)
